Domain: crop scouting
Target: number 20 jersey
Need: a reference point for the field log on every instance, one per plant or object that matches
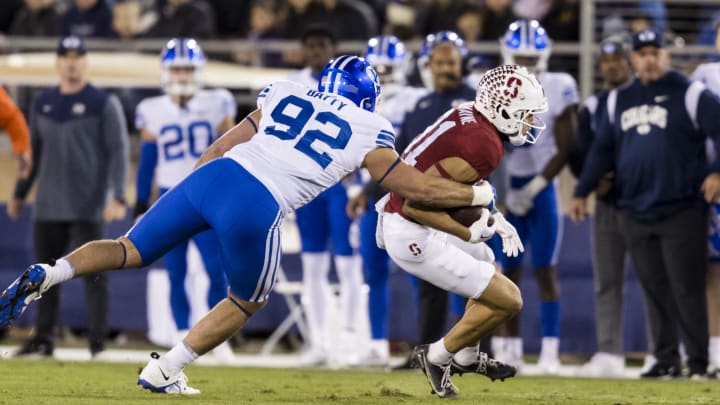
(308, 141)
(183, 134)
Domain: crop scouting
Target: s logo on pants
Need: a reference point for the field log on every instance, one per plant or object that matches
(415, 249)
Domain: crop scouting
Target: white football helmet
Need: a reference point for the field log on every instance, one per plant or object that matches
(182, 52)
(526, 38)
(511, 98)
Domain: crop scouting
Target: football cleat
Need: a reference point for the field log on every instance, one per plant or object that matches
(155, 379)
(26, 288)
(485, 365)
(437, 375)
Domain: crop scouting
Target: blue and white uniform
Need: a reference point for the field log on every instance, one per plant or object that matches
(709, 74)
(181, 134)
(307, 141)
(541, 226)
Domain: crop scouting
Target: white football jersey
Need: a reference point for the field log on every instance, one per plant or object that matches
(396, 100)
(183, 134)
(561, 91)
(709, 75)
(308, 141)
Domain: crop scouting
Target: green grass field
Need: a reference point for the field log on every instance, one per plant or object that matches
(52, 382)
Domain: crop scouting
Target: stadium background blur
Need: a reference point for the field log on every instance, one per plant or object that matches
(251, 43)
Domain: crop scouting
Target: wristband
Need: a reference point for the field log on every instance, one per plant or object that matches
(482, 194)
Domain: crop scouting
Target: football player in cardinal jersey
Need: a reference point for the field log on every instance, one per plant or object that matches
(296, 144)
(466, 145)
(176, 128)
(531, 200)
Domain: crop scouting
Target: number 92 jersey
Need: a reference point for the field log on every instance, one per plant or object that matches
(183, 134)
(307, 141)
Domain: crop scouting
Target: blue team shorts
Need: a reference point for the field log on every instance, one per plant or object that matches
(540, 229)
(222, 196)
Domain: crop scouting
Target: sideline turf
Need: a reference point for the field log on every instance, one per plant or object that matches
(52, 382)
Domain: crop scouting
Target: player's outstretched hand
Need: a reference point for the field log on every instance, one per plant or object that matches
(578, 209)
(483, 229)
(518, 203)
(512, 245)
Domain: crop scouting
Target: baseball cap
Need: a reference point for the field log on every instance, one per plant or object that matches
(71, 43)
(648, 37)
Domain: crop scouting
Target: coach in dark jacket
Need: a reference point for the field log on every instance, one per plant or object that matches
(652, 135)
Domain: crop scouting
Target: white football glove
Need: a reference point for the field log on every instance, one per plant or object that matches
(480, 231)
(512, 245)
(519, 202)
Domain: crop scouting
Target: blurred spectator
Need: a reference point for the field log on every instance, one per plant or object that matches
(399, 19)
(469, 23)
(36, 19)
(640, 22)
(562, 20)
(130, 19)
(8, 12)
(231, 17)
(497, 15)
(437, 15)
(87, 19)
(80, 150)
(348, 19)
(185, 18)
(263, 25)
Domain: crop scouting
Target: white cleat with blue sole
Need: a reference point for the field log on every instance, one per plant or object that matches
(155, 379)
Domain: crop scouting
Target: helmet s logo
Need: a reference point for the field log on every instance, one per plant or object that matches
(513, 86)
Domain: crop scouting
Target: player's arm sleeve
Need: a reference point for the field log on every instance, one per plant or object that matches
(600, 158)
(13, 121)
(23, 186)
(707, 107)
(117, 143)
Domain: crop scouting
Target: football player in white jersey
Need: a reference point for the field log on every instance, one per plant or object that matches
(531, 200)
(176, 128)
(709, 74)
(297, 143)
(324, 229)
(387, 54)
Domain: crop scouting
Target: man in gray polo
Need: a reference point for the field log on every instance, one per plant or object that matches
(80, 150)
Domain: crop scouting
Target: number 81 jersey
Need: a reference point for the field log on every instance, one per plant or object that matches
(308, 141)
(183, 133)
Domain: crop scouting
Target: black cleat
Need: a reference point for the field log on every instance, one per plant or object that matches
(438, 376)
(485, 365)
(662, 371)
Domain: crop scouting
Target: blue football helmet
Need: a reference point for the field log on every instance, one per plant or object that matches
(431, 41)
(353, 78)
(526, 38)
(388, 56)
(182, 52)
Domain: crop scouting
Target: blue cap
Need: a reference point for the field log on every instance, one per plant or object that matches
(648, 37)
(71, 43)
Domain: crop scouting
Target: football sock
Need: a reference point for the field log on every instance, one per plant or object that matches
(177, 358)
(351, 281)
(514, 346)
(550, 318)
(60, 272)
(438, 354)
(550, 348)
(381, 347)
(714, 351)
(467, 355)
(316, 267)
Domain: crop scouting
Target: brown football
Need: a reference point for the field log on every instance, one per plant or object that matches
(468, 215)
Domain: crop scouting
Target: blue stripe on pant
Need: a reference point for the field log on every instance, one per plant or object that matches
(224, 197)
